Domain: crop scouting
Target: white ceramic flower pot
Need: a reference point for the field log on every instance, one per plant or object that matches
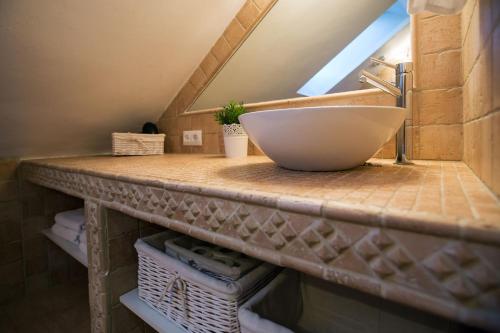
(235, 141)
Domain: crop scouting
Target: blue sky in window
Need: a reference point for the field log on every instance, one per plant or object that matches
(385, 27)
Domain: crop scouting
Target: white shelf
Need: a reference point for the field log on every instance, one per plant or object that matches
(153, 318)
(69, 247)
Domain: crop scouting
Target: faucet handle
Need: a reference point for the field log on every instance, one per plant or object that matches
(404, 67)
(379, 61)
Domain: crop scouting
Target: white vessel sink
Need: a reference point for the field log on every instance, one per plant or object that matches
(325, 138)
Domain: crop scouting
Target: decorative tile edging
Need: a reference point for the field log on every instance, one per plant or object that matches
(98, 266)
(448, 276)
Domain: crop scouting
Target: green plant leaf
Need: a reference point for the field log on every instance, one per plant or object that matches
(230, 113)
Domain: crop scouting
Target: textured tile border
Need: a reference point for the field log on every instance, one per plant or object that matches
(448, 276)
(98, 267)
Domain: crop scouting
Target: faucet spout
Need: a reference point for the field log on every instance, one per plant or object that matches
(379, 83)
(399, 90)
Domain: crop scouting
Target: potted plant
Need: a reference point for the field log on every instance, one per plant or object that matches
(235, 137)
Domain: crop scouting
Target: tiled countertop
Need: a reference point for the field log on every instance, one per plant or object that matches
(426, 235)
(441, 196)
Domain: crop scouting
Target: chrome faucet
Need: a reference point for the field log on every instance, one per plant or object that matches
(404, 83)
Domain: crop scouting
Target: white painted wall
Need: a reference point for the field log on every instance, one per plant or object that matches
(72, 72)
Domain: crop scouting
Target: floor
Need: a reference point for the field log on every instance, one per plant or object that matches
(61, 309)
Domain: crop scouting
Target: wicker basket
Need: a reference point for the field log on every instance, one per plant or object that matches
(213, 260)
(193, 300)
(138, 144)
(296, 302)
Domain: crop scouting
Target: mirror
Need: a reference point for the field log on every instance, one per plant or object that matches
(310, 48)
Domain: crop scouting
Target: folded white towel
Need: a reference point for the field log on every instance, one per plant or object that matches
(83, 237)
(66, 233)
(72, 219)
(83, 247)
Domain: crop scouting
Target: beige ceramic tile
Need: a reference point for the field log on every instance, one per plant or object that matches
(473, 145)
(486, 13)
(387, 150)
(468, 129)
(209, 65)
(206, 122)
(173, 144)
(466, 16)
(172, 108)
(184, 123)
(234, 33)
(248, 14)
(496, 65)
(478, 147)
(439, 33)
(438, 107)
(263, 4)
(168, 126)
(198, 79)
(211, 143)
(495, 168)
(426, 178)
(439, 70)
(221, 50)
(479, 30)
(478, 87)
(471, 43)
(186, 96)
(440, 142)
(485, 149)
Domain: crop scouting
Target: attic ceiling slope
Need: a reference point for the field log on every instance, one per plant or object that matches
(73, 72)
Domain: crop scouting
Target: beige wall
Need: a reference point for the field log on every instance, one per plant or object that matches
(481, 90)
(72, 72)
(437, 104)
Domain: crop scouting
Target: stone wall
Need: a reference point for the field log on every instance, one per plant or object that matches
(437, 104)
(481, 98)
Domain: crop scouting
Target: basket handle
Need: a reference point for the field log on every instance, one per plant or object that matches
(177, 281)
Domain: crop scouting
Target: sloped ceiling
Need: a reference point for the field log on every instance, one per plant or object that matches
(72, 72)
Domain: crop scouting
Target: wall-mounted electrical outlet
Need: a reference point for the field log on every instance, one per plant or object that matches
(192, 138)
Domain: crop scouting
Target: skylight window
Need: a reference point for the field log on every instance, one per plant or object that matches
(385, 27)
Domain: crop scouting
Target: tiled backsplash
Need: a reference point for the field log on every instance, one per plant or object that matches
(212, 132)
(437, 103)
(481, 90)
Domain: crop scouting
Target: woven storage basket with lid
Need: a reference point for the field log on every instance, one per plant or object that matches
(138, 144)
(213, 260)
(195, 301)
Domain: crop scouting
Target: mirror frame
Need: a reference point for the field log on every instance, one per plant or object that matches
(235, 34)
